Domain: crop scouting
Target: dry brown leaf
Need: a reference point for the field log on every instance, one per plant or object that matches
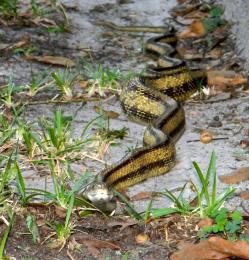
(24, 40)
(60, 211)
(237, 176)
(183, 10)
(196, 14)
(191, 54)
(96, 243)
(195, 30)
(247, 131)
(223, 77)
(83, 83)
(200, 251)
(244, 143)
(232, 248)
(143, 195)
(43, 21)
(181, 1)
(123, 225)
(107, 113)
(55, 60)
(205, 222)
(245, 195)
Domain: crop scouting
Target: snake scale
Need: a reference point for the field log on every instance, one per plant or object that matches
(155, 100)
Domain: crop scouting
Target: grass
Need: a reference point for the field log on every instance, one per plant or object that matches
(101, 80)
(207, 200)
(205, 203)
(65, 81)
(4, 239)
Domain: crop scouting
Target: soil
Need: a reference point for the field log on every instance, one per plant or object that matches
(89, 234)
(90, 42)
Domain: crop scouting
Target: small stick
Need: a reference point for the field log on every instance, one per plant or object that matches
(214, 139)
(61, 101)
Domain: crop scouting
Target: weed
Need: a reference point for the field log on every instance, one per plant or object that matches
(214, 19)
(7, 231)
(208, 202)
(100, 80)
(32, 227)
(65, 81)
(59, 28)
(229, 225)
(38, 82)
(63, 231)
(25, 51)
(7, 176)
(6, 95)
(8, 8)
(128, 207)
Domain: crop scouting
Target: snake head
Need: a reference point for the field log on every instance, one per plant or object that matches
(100, 196)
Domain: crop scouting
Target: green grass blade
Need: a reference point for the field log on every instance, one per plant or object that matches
(157, 213)
(204, 184)
(6, 233)
(69, 210)
(130, 210)
(20, 182)
(147, 212)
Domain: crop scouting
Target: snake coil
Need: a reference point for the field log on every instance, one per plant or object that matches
(155, 100)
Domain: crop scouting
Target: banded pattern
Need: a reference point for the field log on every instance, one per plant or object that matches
(155, 100)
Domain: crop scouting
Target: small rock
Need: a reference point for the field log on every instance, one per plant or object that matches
(215, 122)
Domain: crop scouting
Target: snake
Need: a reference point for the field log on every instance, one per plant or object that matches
(154, 99)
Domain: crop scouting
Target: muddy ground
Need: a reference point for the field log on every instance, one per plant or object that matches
(91, 42)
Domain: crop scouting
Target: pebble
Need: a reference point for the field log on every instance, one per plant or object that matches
(215, 122)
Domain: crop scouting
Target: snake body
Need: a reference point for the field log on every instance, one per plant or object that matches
(154, 99)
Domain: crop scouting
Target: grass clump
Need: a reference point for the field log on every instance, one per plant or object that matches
(207, 200)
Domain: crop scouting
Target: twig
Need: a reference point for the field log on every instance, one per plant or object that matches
(214, 139)
(83, 99)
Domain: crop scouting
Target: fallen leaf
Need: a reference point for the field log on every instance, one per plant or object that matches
(183, 10)
(181, 1)
(107, 113)
(123, 225)
(244, 143)
(195, 30)
(247, 131)
(83, 83)
(232, 248)
(55, 60)
(24, 40)
(244, 195)
(196, 14)
(200, 251)
(43, 21)
(60, 211)
(142, 239)
(94, 244)
(206, 222)
(237, 176)
(223, 78)
(143, 195)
